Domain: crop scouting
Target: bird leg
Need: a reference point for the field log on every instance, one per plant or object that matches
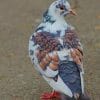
(50, 96)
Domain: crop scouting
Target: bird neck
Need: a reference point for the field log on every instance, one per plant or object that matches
(51, 17)
(57, 17)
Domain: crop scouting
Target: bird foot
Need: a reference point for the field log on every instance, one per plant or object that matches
(50, 96)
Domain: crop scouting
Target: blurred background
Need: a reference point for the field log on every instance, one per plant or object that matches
(18, 19)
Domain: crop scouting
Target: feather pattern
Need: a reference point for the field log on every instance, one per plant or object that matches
(50, 51)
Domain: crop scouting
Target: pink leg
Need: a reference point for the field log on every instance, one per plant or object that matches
(50, 96)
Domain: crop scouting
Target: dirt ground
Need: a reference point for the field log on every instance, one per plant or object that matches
(18, 18)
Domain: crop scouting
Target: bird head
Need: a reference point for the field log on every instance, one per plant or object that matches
(61, 8)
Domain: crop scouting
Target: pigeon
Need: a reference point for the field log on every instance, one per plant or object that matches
(57, 54)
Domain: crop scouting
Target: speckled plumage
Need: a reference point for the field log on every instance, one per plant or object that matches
(50, 46)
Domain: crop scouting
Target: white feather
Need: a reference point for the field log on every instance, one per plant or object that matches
(59, 86)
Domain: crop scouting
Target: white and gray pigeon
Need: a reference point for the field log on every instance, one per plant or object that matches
(56, 52)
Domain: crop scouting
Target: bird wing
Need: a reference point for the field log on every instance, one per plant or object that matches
(47, 50)
(48, 74)
(40, 47)
(47, 53)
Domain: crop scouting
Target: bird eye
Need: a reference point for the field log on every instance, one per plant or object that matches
(61, 7)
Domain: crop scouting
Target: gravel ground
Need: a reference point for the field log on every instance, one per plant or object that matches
(18, 18)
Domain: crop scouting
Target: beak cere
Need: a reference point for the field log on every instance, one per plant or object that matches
(73, 12)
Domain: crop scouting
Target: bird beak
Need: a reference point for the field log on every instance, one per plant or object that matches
(72, 12)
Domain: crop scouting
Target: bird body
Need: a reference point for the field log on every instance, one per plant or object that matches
(56, 51)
